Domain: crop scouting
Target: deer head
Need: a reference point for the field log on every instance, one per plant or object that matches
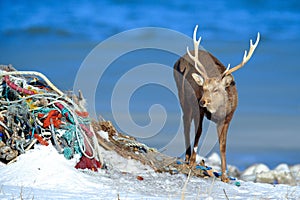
(214, 88)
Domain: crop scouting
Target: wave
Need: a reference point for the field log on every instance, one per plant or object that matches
(37, 31)
(225, 20)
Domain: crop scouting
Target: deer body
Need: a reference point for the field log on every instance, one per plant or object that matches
(206, 88)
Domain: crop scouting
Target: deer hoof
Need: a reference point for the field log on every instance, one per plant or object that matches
(192, 164)
(187, 158)
(225, 179)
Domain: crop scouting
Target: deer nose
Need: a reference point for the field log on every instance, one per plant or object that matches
(204, 102)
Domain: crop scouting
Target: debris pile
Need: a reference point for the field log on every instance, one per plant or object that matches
(128, 147)
(33, 110)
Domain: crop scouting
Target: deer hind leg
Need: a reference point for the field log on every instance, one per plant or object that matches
(222, 133)
(198, 129)
(187, 118)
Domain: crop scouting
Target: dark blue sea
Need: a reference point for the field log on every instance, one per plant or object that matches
(130, 81)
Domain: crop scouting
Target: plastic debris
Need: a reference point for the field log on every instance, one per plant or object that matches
(217, 174)
(237, 183)
(33, 110)
(209, 171)
(87, 163)
(178, 162)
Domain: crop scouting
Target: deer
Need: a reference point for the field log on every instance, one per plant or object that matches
(207, 88)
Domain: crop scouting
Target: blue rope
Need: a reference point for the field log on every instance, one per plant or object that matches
(32, 132)
(68, 153)
(64, 111)
(69, 135)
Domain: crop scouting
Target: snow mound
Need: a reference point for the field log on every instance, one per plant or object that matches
(42, 173)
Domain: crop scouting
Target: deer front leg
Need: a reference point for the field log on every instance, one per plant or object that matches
(222, 133)
(198, 127)
(187, 118)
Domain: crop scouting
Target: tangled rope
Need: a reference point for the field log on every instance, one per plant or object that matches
(36, 111)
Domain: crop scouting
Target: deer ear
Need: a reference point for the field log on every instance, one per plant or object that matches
(199, 80)
(227, 80)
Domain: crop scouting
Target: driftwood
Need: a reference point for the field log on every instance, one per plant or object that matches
(128, 147)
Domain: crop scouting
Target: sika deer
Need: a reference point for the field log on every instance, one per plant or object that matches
(207, 88)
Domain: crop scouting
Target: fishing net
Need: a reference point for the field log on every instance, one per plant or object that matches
(33, 110)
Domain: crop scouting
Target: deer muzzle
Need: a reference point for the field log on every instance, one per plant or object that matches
(204, 102)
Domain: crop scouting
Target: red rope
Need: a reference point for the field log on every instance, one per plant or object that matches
(17, 88)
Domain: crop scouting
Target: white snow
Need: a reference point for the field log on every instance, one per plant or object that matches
(104, 135)
(42, 173)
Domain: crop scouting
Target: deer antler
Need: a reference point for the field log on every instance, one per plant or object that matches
(246, 57)
(201, 70)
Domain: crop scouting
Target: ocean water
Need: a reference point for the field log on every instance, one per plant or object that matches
(97, 20)
(56, 38)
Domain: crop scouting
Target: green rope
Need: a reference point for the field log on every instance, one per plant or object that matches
(77, 148)
(72, 140)
(69, 134)
(43, 110)
(68, 153)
